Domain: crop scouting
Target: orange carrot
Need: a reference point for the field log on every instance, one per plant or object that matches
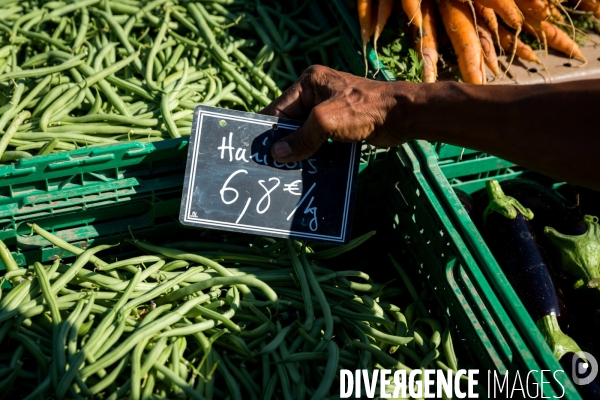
(507, 10)
(487, 46)
(537, 9)
(459, 25)
(364, 18)
(555, 38)
(555, 14)
(426, 42)
(373, 20)
(524, 51)
(489, 17)
(561, 41)
(510, 14)
(412, 8)
(383, 13)
(590, 6)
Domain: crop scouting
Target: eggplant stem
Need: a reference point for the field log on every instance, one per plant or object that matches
(580, 254)
(504, 205)
(559, 343)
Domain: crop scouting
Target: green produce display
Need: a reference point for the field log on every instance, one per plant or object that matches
(213, 320)
(83, 73)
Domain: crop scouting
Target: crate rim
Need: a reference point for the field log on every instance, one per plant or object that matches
(490, 267)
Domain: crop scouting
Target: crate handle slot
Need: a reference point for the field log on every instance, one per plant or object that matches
(140, 151)
(81, 161)
(19, 171)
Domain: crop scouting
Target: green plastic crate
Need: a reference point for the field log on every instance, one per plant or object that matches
(448, 166)
(445, 166)
(89, 194)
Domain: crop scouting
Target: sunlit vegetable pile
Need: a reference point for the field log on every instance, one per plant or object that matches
(265, 319)
(478, 31)
(90, 72)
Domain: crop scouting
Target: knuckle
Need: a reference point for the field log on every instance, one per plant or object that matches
(321, 119)
(315, 72)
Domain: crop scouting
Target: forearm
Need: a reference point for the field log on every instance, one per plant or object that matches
(548, 128)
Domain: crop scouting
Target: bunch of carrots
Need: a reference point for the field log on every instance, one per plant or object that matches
(479, 30)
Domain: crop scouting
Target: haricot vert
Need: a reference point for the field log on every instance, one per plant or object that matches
(94, 72)
(205, 322)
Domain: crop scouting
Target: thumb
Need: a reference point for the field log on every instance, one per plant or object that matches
(300, 144)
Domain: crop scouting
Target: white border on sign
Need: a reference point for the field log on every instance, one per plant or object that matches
(191, 185)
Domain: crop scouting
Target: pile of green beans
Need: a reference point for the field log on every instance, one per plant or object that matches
(210, 320)
(91, 72)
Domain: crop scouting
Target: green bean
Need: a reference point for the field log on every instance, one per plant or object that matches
(304, 286)
(55, 240)
(9, 262)
(144, 331)
(74, 331)
(120, 33)
(269, 389)
(40, 389)
(93, 343)
(177, 53)
(81, 33)
(283, 377)
(112, 338)
(260, 331)
(384, 337)
(52, 95)
(166, 112)
(57, 355)
(108, 380)
(245, 280)
(136, 376)
(43, 38)
(178, 381)
(420, 340)
(249, 389)
(150, 61)
(72, 7)
(179, 255)
(409, 286)
(274, 344)
(293, 372)
(330, 371)
(381, 356)
(7, 383)
(448, 348)
(205, 31)
(33, 349)
(14, 103)
(77, 265)
(322, 300)
(145, 11)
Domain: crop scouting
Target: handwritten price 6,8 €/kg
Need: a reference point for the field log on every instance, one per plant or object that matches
(230, 195)
(265, 201)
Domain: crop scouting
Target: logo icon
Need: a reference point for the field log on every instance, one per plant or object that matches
(584, 368)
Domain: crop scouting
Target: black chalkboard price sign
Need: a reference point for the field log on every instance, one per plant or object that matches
(232, 183)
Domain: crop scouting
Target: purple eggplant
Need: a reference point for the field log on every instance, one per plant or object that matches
(573, 364)
(511, 238)
(548, 206)
(569, 238)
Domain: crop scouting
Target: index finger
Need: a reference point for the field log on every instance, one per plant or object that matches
(295, 103)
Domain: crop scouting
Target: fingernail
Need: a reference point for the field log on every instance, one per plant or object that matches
(281, 150)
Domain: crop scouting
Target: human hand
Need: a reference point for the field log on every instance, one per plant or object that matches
(337, 106)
